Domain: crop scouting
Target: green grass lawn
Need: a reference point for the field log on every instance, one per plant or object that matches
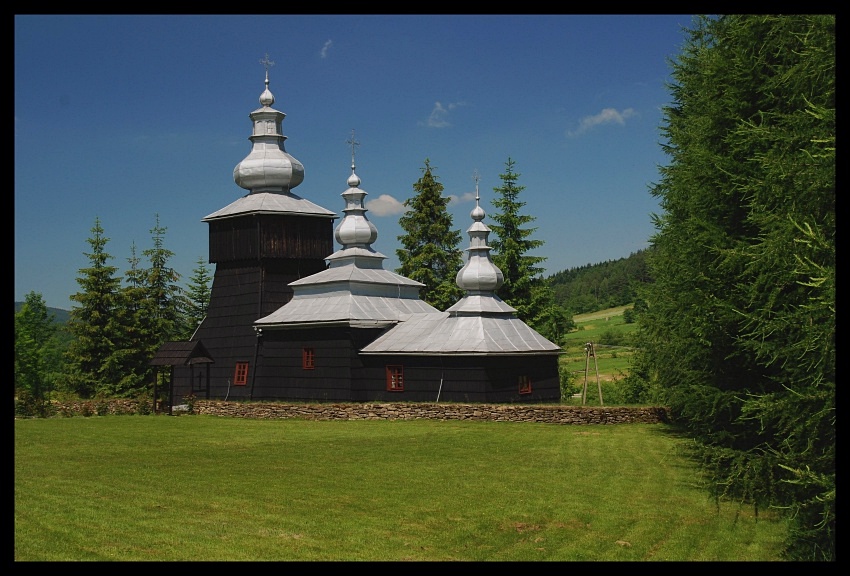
(205, 488)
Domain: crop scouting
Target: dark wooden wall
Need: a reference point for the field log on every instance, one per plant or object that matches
(280, 374)
(241, 293)
(461, 379)
(342, 374)
(261, 236)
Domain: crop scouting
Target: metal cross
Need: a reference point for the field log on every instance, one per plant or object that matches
(266, 62)
(476, 177)
(354, 143)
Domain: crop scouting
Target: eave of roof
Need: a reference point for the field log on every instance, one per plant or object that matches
(271, 203)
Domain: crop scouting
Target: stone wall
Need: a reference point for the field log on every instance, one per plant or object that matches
(547, 413)
(553, 414)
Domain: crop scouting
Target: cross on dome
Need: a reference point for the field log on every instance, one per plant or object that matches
(267, 63)
(354, 144)
(477, 213)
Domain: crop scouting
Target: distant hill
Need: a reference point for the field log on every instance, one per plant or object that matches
(60, 316)
(595, 287)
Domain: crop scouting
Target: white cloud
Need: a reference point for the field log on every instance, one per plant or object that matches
(607, 116)
(384, 205)
(324, 51)
(465, 197)
(437, 119)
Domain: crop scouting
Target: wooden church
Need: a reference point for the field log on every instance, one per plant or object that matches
(291, 319)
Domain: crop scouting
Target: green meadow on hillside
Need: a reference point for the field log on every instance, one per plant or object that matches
(610, 334)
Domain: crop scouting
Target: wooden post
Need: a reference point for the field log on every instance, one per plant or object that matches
(588, 352)
(596, 364)
(171, 392)
(586, 364)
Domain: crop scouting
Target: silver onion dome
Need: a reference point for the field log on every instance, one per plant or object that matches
(355, 230)
(479, 274)
(268, 168)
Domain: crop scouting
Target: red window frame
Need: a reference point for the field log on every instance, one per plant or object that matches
(308, 358)
(240, 374)
(524, 385)
(395, 378)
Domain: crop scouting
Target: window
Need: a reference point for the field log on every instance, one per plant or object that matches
(524, 385)
(240, 375)
(395, 378)
(308, 358)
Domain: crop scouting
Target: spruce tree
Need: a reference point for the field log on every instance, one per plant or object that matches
(738, 333)
(131, 357)
(524, 287)
(162, 305)
(34, 328)
(197, 297)
(163, 300)
(430, 252)
(92, 323)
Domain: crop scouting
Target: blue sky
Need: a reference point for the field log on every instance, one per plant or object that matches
(124, 118)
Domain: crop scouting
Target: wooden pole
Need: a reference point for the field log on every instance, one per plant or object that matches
(171, 392)
(596, 363)
(586, 366)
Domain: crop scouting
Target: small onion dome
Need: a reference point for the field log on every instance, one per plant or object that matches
(355, 230)
(479, 274)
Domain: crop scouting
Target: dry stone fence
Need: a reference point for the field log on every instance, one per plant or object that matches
(544, 413)
(553, 414)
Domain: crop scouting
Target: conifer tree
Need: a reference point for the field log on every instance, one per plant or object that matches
(738, 333)
(163, 300)
(131, 357)
(33, 329)
(197, 297)
(92, 323)
(430, 252)
(524, 287)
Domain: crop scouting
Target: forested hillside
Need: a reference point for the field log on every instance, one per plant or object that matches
(599, 286)
(60, 316)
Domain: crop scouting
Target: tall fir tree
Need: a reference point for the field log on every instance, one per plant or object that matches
(34, 327)
(430, 252)
(738, 333)
(197, 297)
(92, 323)
(524, 287)
(163, 295)
(130, 359)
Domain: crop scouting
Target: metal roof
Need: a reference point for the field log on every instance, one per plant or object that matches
(271, 203)
(445, 333)
(348, 295)
(358, 274)
(343, 307)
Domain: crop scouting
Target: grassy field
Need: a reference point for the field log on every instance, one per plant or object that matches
(204, 488)
(609, 333)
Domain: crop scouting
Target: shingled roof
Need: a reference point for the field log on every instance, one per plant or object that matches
(181, 354)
